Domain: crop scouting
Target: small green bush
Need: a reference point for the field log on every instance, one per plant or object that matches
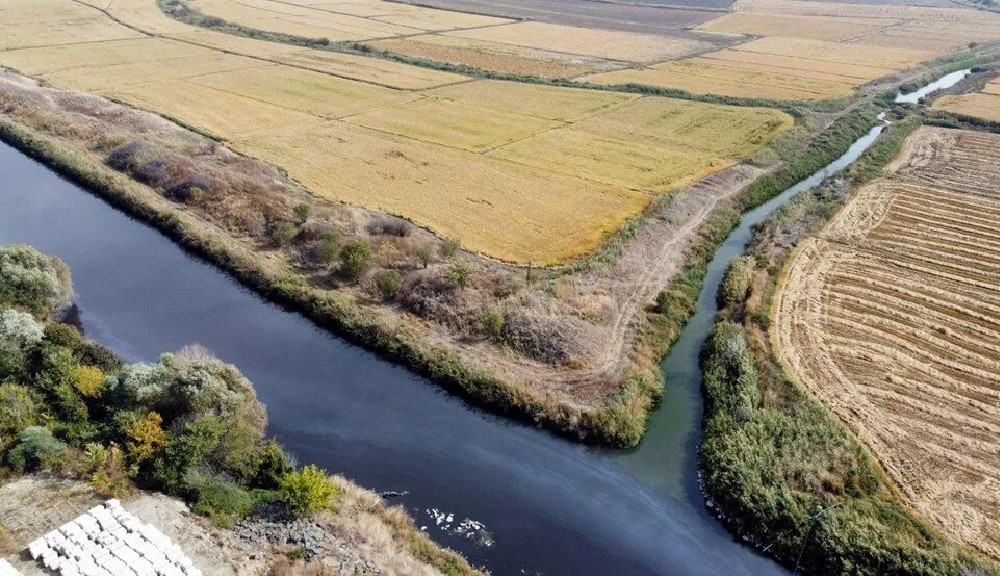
(284, 232)
(328, 248)
(459, 273)
(302, 211)
(449, 248)
(389, 283)
(19, 408)
(493, 322)
(37, 449)
(307, 490)
(223, 501)
(355, 259)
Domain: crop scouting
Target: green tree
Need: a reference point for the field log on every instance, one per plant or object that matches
(33, 281)
(18, 409)
(307, 490)
(425, 254)
(355, 259)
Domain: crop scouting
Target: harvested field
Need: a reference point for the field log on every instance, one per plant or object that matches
(891, 316)
(222, 114)
(830, 28)
(493, 56)
(519, 215)
(26, 23)
(611, 45)
(304, 91)
(519, 172)
(774, 67)
(652, 144)
(454, 124)
(550, 102)
(604, 15)
(980, 105)
(310, 23)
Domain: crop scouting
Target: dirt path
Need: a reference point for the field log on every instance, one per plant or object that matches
(892, 315)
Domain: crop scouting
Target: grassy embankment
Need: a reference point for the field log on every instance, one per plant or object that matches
(782, 469)
(188, 426)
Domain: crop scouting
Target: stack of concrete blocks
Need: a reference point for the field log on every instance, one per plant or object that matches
(109, 541)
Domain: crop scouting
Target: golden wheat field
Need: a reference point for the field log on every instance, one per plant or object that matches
(892, 316)
(984, 104)
(520, 172)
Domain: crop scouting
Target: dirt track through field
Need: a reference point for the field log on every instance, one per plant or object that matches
(892, 316)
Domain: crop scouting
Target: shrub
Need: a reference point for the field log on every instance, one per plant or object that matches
(449, 248)
(223, 502)
(107, 466)
(146, 437)
(63, 335)
(88, 380)
(283, 232)
(328, 248)
(493, 322)
(388, 226)
(736, 284)
(355, 259)
(389, 283)
(307, 490)
(302, 211)
(33, 281)
(18, 409)
(37, 449)
(459, 273)
(19, 329)
(425, 254)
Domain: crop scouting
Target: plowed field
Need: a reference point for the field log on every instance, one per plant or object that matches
(892, 317)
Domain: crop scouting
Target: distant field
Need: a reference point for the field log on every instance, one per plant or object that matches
(519, 172)
(503, 45)
(814, 50)
(984, 104)
(892, 317)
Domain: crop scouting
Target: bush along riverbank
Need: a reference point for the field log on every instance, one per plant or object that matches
(780, 468)
(188, 426)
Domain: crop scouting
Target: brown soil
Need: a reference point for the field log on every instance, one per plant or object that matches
(891, 316)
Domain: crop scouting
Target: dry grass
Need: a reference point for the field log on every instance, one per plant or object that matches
(891, 316)
(608, 44)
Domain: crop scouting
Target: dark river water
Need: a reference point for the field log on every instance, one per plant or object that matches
(550, 506)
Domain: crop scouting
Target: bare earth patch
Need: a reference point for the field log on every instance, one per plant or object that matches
(891, 316)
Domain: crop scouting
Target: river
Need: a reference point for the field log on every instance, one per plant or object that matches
(551, 507)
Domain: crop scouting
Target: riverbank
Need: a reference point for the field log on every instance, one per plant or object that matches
(187, 430)
(490, 335)
(782, 470)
